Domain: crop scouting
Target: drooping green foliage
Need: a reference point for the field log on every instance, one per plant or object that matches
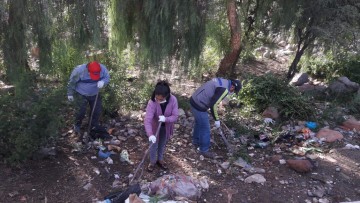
(41, 20)
(161, 29)
(86, 22)
(331, 24)
(14, 37)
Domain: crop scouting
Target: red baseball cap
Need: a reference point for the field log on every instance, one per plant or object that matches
(94, 70)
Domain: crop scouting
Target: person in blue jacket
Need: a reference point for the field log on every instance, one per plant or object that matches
(85, 82)
(208, 96)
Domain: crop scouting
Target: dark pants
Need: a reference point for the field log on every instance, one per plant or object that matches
(82, 103)
(158, 148)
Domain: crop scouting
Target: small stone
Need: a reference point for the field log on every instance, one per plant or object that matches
(225, 165)
(87, 186)
(338, 169)
(323, 200)
(255, 178)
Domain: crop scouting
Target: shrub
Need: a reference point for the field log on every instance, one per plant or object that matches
(328, 68)
(28, 123)
(268, 90)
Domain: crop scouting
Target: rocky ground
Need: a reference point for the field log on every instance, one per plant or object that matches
(299, 165)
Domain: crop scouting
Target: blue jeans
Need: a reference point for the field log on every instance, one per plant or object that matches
(201, 133)
(158, 148)
(82, 103)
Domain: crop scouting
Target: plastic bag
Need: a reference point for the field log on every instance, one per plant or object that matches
(171, 186)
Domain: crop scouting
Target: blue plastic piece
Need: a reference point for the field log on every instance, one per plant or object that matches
(104, 154)
(311, 125)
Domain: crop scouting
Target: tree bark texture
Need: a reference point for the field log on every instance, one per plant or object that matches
(14, 49)
(229, 61)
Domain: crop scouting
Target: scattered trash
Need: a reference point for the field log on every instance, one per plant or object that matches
(104, 154)
(87, 186)
(261, 145)
(350, 146)
(204, 183)
(269, 121)
(175, 185)
(311, 125)
(109, 160)
(121, 196)
(282, 161)
(114, 147)
(97, 171)
(13, 194)
(124, 157)
(134, 198)
(225, 165)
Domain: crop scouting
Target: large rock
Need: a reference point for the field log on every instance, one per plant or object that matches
(300, 165)
(307, 87)
(329, 135)
(351, 124)
(343, 85)
(299, 79)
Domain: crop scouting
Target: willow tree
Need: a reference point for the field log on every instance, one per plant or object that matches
(247, 19)
(161, 29)
(325, 23)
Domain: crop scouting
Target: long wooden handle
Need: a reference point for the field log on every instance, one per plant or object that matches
(146, 153)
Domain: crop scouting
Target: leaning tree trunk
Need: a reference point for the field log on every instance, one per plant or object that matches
(229, 61)
(305, 40)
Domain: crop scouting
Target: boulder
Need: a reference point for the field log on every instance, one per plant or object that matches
(343, 85)
(329, 135)
(300, 165)
(351, 124)
(299, 79)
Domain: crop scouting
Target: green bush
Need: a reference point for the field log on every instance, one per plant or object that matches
(268, 90)
(28, 123)
(328, 68)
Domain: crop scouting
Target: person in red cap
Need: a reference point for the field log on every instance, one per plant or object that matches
(85, 82)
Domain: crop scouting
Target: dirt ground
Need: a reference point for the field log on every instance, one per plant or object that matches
(83, 177)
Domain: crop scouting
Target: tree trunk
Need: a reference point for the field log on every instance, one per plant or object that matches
(292, 69)
(229, 61)
(14, 46)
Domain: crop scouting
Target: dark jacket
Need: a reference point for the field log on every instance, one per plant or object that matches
(210, 94)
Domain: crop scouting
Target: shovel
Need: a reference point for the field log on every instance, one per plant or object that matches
(86, 136)
(120, 197)
(228, 146)
(145, 155)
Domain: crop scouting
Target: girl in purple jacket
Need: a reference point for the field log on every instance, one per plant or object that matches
(162, 107)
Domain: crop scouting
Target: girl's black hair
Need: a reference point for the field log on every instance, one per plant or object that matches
(162, 88)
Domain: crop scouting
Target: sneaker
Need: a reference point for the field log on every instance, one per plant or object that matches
(196, 147)
(210, 155)
(162, 165)
(76, 129)
(151, 167)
